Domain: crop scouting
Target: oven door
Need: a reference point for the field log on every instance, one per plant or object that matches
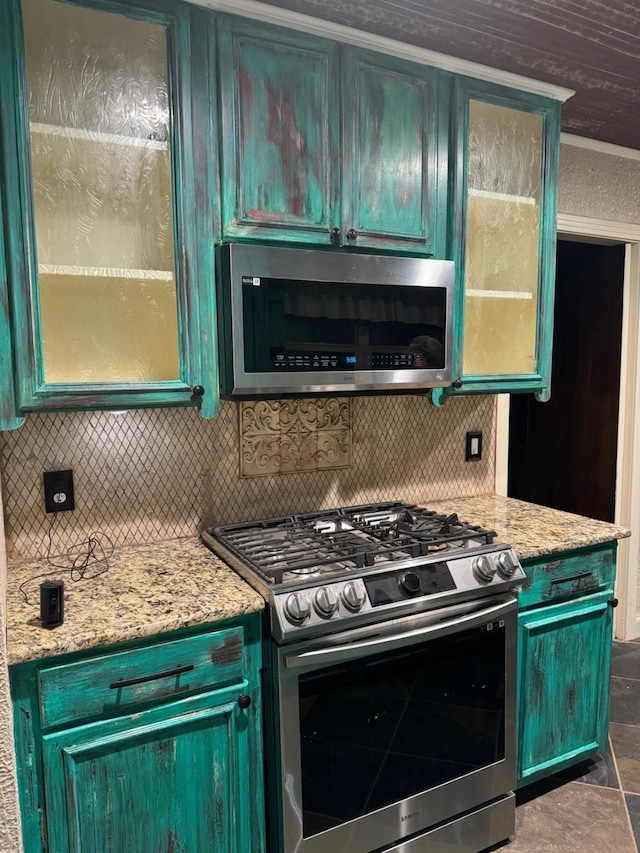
(387, 730)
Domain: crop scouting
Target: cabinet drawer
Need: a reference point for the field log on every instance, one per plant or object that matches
(114, 683)
(573, 574)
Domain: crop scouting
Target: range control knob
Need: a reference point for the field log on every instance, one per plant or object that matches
(353, 596)
(296, 608)
(507, 564)
(483, 568)
(325, 602)
(410, 583)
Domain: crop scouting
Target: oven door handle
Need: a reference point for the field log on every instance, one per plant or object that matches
(352, 651)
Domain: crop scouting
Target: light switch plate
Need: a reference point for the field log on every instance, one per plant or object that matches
(474, 446)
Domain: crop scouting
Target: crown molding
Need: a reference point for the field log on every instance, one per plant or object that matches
(607, 229)
(601, 147)
(339, 32)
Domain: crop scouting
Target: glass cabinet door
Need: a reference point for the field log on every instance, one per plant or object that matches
(502, 236)
(504, 230)
(108, 227)
(102, 194)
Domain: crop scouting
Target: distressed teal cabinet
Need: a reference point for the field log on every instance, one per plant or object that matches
(330, 145)
(503, 229)
(109, 178)
(280, 136)
(170, 760)
(395, 135)
(565, 640)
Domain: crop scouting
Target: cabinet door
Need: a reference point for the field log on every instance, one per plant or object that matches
(280, 124)
(564, 665)
(172, 779)
(9, 418)
(395, 181)
(504, 220)
(112, 289)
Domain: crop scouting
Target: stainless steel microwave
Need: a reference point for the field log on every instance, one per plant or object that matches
(307, 321)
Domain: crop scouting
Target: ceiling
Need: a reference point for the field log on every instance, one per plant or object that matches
(586, 45)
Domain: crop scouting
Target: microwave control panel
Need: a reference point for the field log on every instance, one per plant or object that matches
(303, 360)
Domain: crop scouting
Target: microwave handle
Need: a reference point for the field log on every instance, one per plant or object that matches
(352, 651)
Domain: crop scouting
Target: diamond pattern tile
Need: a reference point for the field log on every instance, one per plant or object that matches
(164, 473)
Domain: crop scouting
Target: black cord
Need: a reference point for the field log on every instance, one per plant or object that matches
(84, 561)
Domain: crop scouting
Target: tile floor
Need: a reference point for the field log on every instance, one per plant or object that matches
(593, 807)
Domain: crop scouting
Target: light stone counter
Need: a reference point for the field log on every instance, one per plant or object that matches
(531, 530)
(148, 590)
(152, 589)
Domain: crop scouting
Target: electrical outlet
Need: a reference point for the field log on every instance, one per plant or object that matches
(58, 491)
(474, 446)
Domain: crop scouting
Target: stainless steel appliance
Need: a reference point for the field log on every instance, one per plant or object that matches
(303, 321)
(390, 678)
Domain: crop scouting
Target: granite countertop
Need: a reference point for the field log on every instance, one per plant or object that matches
(152, 589)
(531, 530)
(148, 590)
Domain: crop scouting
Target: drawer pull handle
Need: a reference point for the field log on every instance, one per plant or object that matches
(578, 577)
(115, 685)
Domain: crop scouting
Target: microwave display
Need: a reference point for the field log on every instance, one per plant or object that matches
(321, 326)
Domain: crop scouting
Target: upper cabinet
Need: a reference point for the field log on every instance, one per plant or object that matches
(280, 136)
(329, 145)
(135, 136)
(504, 232)
(394, 134)
(112, 293)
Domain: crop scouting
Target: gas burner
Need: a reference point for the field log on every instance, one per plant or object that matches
(340, 541)
(324, 570)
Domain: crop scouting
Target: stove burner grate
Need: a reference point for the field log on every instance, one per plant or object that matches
(342, 540)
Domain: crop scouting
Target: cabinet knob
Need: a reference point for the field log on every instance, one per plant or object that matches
(334, 234)
(352, 234)
(198, 391)
(613, 602)
(244, 701)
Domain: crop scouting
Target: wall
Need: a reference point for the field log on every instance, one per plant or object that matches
(602, 186)
(605, 186)
(160, 474)
(9, 812)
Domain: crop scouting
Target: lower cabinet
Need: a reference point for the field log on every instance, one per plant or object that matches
(180, 771)
(565, 647)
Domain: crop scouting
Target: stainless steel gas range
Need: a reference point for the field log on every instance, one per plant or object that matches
(390, 678)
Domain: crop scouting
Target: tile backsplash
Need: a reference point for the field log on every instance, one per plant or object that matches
(158, 474)
(290, 436)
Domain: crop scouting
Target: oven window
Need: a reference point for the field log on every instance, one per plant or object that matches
(323, 326)
(387, 727)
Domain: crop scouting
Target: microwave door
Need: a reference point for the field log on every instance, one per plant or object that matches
(311, 322)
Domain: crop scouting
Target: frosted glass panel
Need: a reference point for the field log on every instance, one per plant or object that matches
(102, 188)
(502, 240)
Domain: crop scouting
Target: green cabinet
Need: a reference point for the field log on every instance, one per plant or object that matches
(155, 747)
(564, 660)
(279, 133)
(394, 137)
(503, 229)
(135, 136)
(329, 145)
(110, 185)
(170, 777)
